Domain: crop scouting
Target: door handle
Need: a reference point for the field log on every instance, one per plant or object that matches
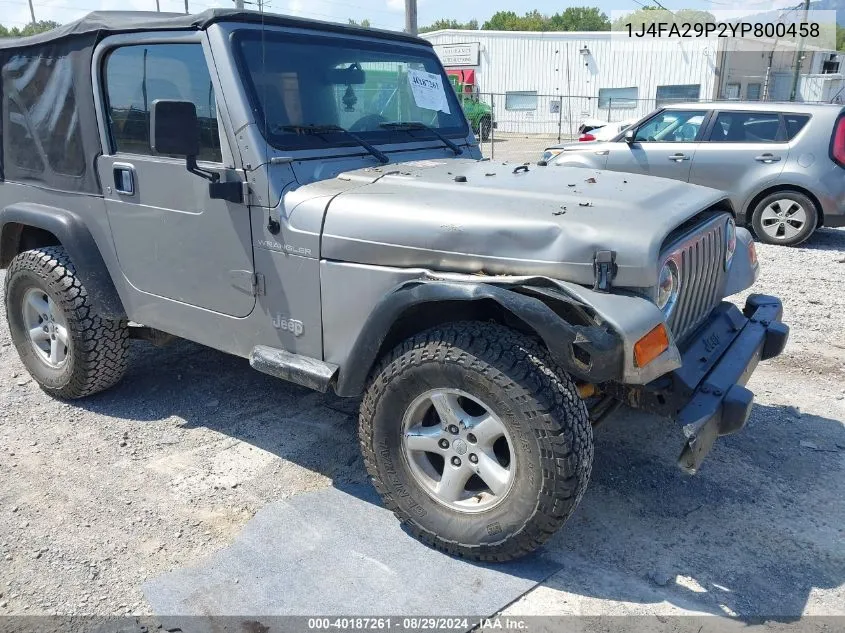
(767, 158)
(124, 178)
(678, 157)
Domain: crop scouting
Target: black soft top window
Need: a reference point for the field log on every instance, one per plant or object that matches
(296, 81)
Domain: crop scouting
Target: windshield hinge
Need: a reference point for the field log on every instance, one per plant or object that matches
(604, 269)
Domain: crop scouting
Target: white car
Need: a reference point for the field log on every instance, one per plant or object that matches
(606, 132)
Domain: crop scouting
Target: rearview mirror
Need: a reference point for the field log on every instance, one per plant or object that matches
(630, 135)
(174, 128)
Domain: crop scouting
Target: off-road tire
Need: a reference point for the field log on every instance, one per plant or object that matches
(485, 125)
(811, 212)
(512, 375)
(98, 348)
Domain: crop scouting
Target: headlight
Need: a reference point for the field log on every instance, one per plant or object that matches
(730, 242)
(668, 287)
(551, 153)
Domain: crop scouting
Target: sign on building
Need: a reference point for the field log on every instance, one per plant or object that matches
(458, 54)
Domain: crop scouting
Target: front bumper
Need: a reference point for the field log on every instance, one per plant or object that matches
(707, 394)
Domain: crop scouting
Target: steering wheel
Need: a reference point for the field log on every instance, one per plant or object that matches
(367, 123)
(687, 132)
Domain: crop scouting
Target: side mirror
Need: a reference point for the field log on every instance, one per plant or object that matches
(174, 128)
(630, 135)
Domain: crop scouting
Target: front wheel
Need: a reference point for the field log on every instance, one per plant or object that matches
(474, 442)
(784, 217)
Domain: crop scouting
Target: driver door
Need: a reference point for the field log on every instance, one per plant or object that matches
(663, 146)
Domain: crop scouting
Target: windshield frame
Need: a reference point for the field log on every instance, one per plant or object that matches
(293, 142)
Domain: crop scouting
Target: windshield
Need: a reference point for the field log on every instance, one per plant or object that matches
(297, 82)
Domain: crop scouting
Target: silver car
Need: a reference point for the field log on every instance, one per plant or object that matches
(780, 163)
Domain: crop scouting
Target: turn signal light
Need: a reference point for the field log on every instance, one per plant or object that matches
(651, 346)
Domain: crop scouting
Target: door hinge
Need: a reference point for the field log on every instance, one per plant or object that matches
(258, 285)
(248, 282)
(604, 270)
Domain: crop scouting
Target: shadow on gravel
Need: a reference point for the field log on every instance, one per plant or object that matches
(825, 240)
(750, 536)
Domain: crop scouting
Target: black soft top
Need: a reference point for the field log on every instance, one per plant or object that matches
(104, 23)
(48, 124)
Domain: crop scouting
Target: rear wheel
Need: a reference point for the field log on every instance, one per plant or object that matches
(784, 217)
(67, 348)
(474, 442)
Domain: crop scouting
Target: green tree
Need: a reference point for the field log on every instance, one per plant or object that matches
(579, 19)
(572, 19)
(439, 25)
(365, 23)
(29, 29)
(840, 38)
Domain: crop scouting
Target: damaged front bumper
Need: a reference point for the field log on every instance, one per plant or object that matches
(707, 394)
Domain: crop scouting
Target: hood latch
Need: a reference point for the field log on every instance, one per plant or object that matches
(604, 270)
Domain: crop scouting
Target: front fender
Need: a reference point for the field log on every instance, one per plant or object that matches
(75, 237)
(599, 344)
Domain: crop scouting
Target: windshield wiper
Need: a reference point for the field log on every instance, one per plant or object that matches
(417, 125)
(323, 129)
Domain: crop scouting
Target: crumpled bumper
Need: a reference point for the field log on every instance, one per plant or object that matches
(707, 394)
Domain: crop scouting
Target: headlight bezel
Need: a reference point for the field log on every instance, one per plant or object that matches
(671, 298)
(730, 242)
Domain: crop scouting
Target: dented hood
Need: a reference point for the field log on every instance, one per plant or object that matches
(508, 219)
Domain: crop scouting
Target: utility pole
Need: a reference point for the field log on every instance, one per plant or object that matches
(158, 7)
(410, 16)
(239, 5)
(799, 56)
(186, 8)
(32, 12)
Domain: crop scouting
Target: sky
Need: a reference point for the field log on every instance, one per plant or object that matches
(387, 14)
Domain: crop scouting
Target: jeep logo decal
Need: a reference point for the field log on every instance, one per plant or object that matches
(288, 325)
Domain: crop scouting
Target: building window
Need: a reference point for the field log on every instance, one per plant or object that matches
(617, 98)
(753, 91)
(830, 65)
(732, 91)
(675, 94)
(138, 75)
(521, 100)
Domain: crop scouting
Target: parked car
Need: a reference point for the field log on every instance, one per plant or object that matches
(242, 181)
(780, 163)
(606, 132)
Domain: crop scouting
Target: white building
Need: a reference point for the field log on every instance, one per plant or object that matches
(541, 82)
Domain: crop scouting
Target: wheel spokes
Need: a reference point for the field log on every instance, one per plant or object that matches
(492, 473)
(487, 430)
(423, 438)
(35, 301)
(447, 407)
(38, 333)
(452, 483)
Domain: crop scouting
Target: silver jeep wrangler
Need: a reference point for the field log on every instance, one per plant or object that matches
(310, 196)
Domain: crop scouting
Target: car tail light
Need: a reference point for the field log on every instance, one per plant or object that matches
(837, 145)
(586, 137)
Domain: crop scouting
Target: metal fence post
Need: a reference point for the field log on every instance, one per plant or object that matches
(559, 117)
(493, 124)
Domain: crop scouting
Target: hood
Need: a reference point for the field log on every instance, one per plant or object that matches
(506, 219)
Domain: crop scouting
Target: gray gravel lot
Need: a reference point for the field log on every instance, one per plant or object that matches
(101, 495)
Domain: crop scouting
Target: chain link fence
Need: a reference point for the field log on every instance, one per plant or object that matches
(519, 126)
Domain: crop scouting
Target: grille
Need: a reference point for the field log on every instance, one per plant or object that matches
(700, 257)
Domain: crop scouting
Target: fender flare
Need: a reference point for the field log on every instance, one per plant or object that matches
(74, 236)
(603, 346)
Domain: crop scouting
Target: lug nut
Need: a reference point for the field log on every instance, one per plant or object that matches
(453, 429)
(473, 458)
(456, 461)
(471, 438)
(444, 443)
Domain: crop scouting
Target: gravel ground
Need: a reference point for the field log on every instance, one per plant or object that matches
(100, 495)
